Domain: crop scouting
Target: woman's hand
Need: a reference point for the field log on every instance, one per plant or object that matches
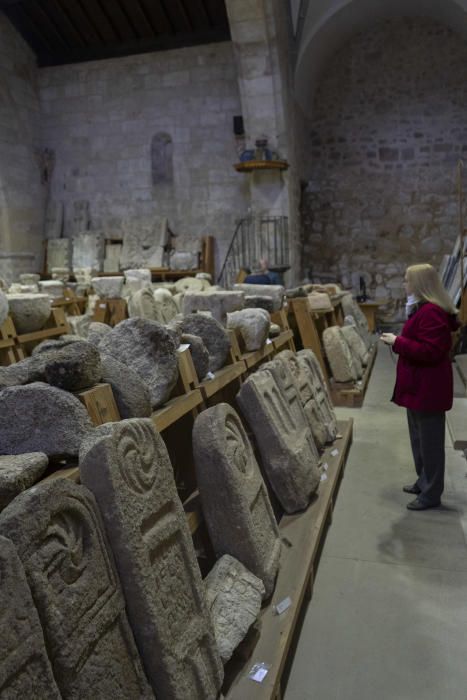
(388, 338)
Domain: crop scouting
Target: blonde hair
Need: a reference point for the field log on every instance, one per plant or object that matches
(427, 286)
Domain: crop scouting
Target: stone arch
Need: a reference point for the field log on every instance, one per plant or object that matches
(161, 158)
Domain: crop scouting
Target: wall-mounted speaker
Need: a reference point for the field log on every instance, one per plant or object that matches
(238, 125)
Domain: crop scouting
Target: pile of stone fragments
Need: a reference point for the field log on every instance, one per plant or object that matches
(101, 586)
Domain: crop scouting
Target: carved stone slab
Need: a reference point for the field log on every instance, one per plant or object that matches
(287, 451)
(351, 308)
(275, 291)
(141, 304)
(88, 250)
(252, 324)
(233, 596)
(356, 344)
(343, 366)
(128, 469)
(130, 392)
(25, 670)
(285, 380)
(234, 496)
(213, 335)
(57, 532)
(149, 349)
(58, 253)
(166, 305)
(46, 419)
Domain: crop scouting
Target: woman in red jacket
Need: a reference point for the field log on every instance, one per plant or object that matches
(424, 384)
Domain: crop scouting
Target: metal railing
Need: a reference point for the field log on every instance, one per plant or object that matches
(256, 238)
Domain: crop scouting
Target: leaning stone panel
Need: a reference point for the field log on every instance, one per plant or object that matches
(235, 500)
(287, 450)
(311, 367)
(141, 304)
(253, 326)
(285, 380)
(149, 349)
(57, 532)
(25, 670)
(167, 307)
(41, 418)
(233, 596)
(356, 344)
(130, 392)
(213, 335)
(127, 467)
(340, 359)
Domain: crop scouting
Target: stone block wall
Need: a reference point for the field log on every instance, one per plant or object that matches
(389, 125)
(22, 196)
(100, 118)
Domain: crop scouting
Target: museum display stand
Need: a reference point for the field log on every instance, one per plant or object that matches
(271, 639)
(309, 326)
(16, 346)
(110, 311)
(72, 304)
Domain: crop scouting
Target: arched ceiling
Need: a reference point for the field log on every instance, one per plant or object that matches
(330, 23)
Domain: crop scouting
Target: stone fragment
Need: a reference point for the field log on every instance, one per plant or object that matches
(234, 497)
(295, 292)
(212, 334)
(58, 253)
(25, 670)
(108, 287)
(136, 279)
(42, 418)
(356, 344)
(259, 302)
(18, 473)
(168, 309)
(127, 467)
(143, 242)
(233, 597)
(29, 311)
(141, 304)
(130, 392)
(366, 337)
(149, 349)
(274, 330)
(55, 344)
(253, 326)
(3, 307)
(81, 216)
(178, 299)
(54, 288)
(199, 354)
(351, 308)
(83, 275)
(275, 291)
(288, 453)
(89, 250)
(184, 260)
(29, 278)
(218, 303)
(96, 332)
(16, 374)
(204, 276)
(71, 365)
(62, 274)
(189, 284)
(341, 362)
(319, 301)
(57, 532)
(79, 325)
(318, 391)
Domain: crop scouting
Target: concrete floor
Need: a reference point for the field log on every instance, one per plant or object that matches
(388, 617)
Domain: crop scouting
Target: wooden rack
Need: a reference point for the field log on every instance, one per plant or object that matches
(110, 311)
(309, 327)
(15, 346)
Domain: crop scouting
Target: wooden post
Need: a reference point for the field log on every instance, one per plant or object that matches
(308, 330)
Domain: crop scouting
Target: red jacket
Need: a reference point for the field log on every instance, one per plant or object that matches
(424, 372)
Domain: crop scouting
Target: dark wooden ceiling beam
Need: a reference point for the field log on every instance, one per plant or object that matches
(41, 19)
(136, 14)
(82, 23)
(178, 16)
(159, 16)
(217, 12)
(196, 10)
(159, 43)
(23, 23)
(58, 13)
(119, 19)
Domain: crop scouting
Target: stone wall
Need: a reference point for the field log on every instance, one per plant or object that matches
(100, 118)
(389, 125)
(22, 196)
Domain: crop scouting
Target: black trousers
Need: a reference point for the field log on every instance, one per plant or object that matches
(427, 437)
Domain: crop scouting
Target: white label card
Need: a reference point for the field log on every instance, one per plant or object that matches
(283, 605)
(335, 452)
(259, 672)
(324, 477)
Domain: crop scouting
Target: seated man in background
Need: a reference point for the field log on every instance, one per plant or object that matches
(262, 274)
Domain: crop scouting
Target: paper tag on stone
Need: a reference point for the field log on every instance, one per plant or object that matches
(335, 452)
(259, 672)
(283, 606)
(102, 306)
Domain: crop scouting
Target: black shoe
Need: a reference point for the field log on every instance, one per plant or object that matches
(412, 488)
(420, 505)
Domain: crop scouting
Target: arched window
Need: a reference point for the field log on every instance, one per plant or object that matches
(161, 158)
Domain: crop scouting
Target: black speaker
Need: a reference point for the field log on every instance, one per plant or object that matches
(238, 125)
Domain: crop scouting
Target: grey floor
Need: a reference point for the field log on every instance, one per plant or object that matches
(388, 617)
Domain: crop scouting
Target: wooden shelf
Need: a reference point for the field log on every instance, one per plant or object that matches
(285, 338)
(253, 358)
(249, 166)
(176, 408)
(353, 395)
(222, 378)
(305, 533)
